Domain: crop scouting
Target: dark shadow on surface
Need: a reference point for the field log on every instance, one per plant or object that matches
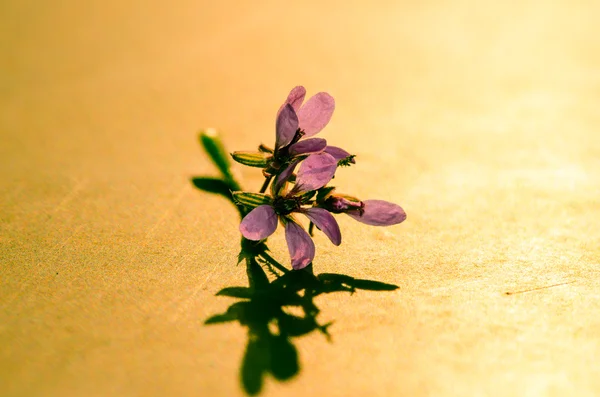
(275, 308)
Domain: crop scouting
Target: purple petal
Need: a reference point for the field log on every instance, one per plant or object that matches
(379, 213)
(300, 245)
(295, 98)
(260, 223)
(284, 176)
(326, 222)
(314, 115)
(337, 153)
(311, 145)
(315, 172)
(286, 126)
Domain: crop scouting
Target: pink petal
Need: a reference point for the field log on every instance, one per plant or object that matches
(379, 213)
(260, 223)
(300, 245)
(284, 176)
(286, 126)
(311, 145)
(337, 153)
(326, 223)
(315, 172)
(295, 98)
(314, 115)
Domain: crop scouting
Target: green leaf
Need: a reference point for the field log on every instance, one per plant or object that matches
(324, 192)
(305, 198)
(252, 200)
(265, 149)
(213, 145)
(252, 159)
(347, 161)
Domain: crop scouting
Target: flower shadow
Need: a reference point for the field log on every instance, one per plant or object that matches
(277, 306)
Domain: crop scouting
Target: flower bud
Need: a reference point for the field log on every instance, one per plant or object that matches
(341, 203)
(251, 159)
(251, 200)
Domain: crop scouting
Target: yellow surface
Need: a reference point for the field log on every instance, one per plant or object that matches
(480, 119)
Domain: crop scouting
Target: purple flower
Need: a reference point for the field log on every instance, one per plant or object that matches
(296, 120)
(370, 212)
(314, 173)
(309, 118)
(312, 117)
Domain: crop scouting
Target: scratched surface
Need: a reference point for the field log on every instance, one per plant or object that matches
(480, 119)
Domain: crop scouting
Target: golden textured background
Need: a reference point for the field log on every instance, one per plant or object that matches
(479, 118)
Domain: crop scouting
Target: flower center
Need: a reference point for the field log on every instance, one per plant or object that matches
(281, 155)
(286, 205)
(299, 134)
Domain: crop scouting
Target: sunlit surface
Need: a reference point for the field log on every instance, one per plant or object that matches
(480, 119)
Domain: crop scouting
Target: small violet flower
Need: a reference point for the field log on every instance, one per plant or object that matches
(370, 212)
(296, 120)
(296, 124)
(312, 116)
(314, 173)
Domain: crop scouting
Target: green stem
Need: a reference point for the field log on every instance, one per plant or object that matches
(265, 184)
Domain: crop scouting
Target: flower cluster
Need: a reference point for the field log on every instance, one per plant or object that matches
(306, 190)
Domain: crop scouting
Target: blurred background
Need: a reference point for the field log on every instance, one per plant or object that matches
(479, 118)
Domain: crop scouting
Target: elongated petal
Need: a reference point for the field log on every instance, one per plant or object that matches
(326, 222)
(379, 213)
(286, 126)
(284, 176)
(300, 245)
(314, 115)
(295, 98)
(260, 223)
(337, 153)
(306, 146)
(315, 172)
